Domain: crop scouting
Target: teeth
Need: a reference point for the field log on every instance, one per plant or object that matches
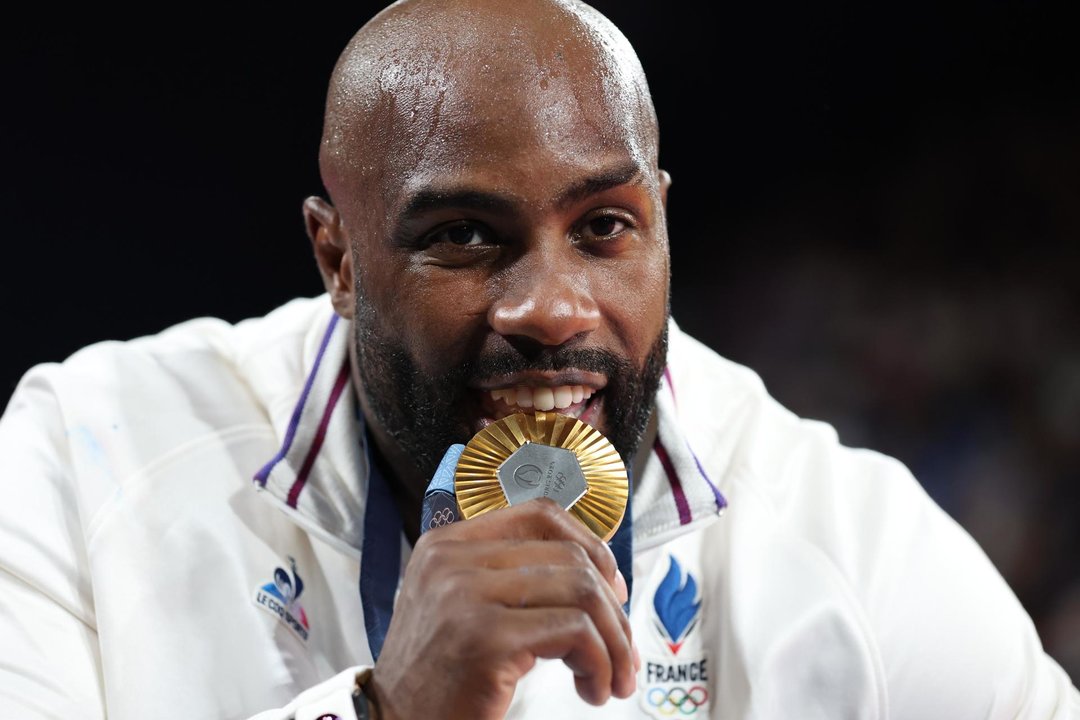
(543, 398)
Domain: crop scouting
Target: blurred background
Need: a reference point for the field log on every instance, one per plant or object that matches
(876, 207)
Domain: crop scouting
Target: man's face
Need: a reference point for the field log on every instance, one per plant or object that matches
(511, 254)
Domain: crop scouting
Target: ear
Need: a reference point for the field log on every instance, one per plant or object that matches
(332, 253)
(665, 183)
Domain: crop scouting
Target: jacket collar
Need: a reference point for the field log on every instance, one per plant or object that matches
(319, 475)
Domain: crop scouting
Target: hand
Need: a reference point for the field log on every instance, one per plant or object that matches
(483, 599)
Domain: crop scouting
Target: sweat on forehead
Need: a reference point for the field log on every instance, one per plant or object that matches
(423, 75)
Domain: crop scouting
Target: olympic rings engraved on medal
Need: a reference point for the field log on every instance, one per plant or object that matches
(677, 699)
(441, 517)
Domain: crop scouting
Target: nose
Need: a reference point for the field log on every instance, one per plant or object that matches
(548, 301)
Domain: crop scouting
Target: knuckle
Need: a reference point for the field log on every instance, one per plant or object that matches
(523, 659)
(549, 510)
(433, 559)
(585, 588)
(471, 615)
(575, 553)
(457, 584)
(425, 545)
(605, 559)
(437, 552)
(582, 623)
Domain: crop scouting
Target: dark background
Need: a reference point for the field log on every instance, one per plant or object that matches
(877, 208)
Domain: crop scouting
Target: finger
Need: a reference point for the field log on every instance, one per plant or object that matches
(622, 592)
(540, 519)
(562, 633)
(503, 554)
(578, 587)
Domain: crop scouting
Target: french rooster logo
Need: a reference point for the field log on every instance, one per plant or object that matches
(677, 606)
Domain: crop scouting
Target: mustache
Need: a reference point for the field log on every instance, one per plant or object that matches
(506, 363)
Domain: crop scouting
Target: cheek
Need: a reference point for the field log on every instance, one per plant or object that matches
(438, 314)
(634, 300)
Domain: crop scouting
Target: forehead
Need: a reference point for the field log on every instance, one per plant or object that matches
(510, 126)
(527, 151)
(505, 107)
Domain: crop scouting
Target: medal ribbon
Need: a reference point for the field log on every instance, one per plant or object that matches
(380, 559)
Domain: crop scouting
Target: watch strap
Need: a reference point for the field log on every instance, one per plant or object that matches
(361, 703)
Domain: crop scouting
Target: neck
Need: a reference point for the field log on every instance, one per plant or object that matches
(406, 485)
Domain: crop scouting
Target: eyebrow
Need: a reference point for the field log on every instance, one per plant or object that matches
(472, 199)
(428, 200)
(613, 178)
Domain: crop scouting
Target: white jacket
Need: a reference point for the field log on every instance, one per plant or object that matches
(144, 574)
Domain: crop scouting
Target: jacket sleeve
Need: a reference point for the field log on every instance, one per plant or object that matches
(953, 639)
(50, 655)
(333, 697)
(49, 658)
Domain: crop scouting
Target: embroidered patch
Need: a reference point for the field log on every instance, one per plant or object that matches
(281, 597)
(676, 682)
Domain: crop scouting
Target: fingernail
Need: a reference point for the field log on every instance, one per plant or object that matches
(637, 658)
(620, 587)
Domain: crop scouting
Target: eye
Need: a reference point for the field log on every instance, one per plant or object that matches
(458, 243)
(462, 234)
(603, 227)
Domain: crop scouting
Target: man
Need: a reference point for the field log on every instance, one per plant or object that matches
(494, 241)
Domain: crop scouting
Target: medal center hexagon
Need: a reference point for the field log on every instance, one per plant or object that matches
(536, 470)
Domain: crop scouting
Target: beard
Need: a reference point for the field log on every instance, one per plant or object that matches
(425, 413)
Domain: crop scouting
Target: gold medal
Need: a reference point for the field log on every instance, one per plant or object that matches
(527, 455)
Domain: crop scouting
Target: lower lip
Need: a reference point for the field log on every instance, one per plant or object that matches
(591, 414)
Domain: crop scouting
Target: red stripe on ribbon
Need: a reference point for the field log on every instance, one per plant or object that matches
(676, 485)
(320, 435)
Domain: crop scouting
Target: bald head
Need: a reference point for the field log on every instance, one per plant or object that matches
(423, 74)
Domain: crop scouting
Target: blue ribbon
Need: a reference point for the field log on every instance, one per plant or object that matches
(380, 559)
